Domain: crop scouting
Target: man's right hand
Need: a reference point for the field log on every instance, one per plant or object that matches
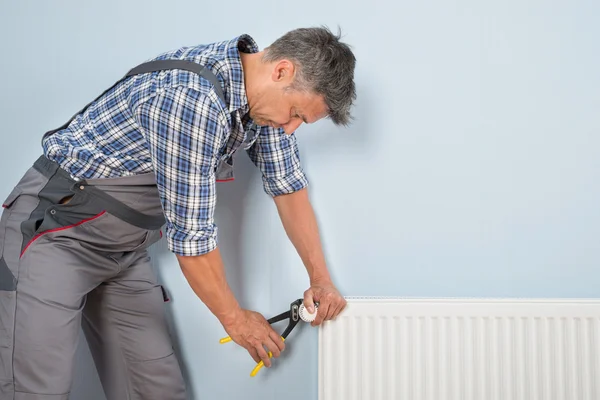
(251, 330)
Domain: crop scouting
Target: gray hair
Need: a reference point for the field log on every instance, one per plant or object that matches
(324, 65)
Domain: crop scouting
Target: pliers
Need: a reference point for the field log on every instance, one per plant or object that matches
(295, 312)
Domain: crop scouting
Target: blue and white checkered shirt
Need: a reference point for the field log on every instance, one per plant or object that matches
(173, 123)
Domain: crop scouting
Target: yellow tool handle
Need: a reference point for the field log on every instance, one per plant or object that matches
(261, 364)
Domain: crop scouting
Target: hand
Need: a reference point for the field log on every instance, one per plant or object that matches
(252, 331)
(331, 302)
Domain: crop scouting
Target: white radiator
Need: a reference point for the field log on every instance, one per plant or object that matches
(461, 349)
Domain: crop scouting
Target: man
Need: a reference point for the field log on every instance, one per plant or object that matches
(147, 153)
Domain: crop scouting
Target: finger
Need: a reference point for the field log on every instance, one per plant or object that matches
(322, 312)
(262, 353)
(254, 354)
(309, 301)
(340, 308)
(277, 339)
(271, 345)
(333, 307)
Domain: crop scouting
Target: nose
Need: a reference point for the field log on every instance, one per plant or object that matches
(291, 126)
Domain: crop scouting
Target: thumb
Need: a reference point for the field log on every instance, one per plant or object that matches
(308, 301)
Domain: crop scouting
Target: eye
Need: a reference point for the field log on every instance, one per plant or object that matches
(296, 114)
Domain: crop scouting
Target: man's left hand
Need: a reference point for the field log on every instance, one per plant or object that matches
(331, 302)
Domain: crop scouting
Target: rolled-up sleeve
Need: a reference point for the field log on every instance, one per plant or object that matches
(277, 156)
(184, 130)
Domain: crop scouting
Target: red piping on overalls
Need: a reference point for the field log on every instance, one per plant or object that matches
(62, 228)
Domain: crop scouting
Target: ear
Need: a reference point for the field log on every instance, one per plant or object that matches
(283, 72)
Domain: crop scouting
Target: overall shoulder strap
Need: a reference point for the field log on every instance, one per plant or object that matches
(152, 66)
(160, 65)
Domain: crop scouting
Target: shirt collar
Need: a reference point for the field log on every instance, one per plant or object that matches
(236, 87)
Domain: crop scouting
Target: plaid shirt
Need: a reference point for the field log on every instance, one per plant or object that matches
(173, 123)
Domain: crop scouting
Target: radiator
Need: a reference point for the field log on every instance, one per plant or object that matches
(461, 349)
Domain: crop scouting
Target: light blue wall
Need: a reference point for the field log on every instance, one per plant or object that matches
(473, 167)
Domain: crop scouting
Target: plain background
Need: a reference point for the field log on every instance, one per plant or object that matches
(472, 167)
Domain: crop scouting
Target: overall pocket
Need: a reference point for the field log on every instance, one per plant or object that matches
(8, 287)
(66, 211)
(12, 197)
(8, 281)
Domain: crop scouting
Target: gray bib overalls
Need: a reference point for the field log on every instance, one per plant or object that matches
(74, 253)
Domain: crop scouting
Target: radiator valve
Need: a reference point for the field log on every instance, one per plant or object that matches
(305, 315)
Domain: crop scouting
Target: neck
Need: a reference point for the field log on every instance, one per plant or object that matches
(251, 63)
